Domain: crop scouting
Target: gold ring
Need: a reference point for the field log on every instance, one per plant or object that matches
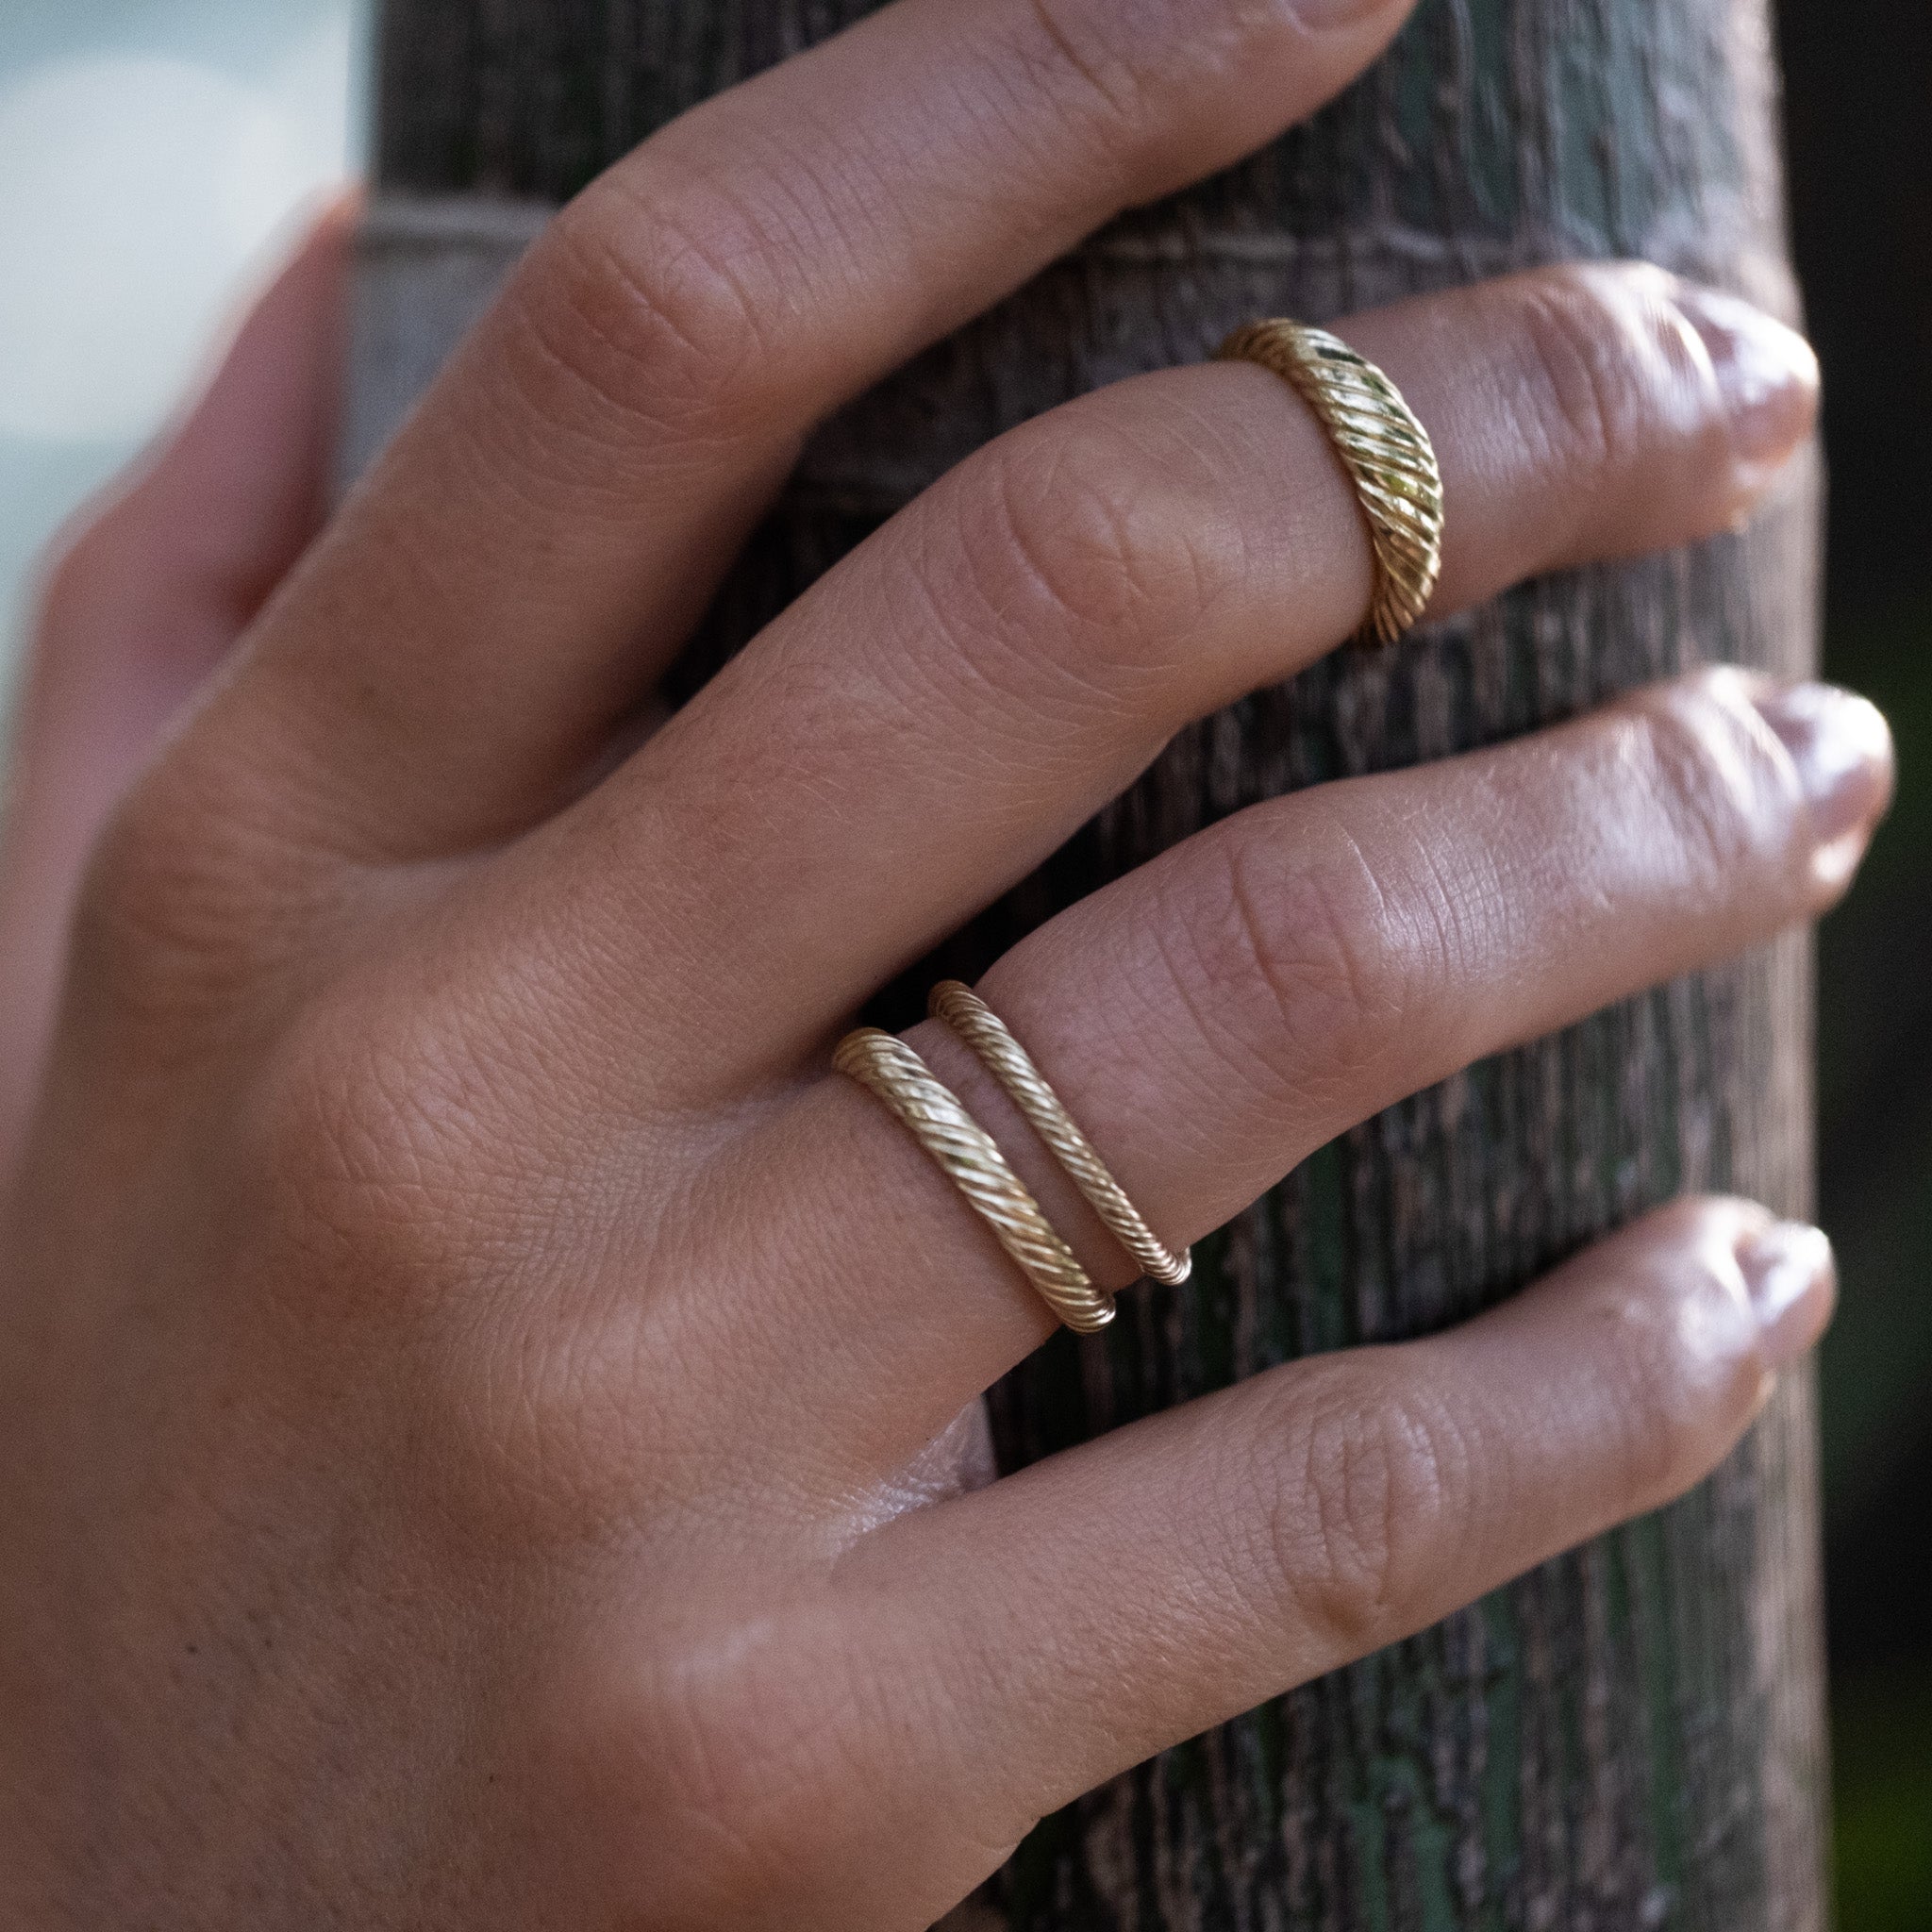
(967, 1154)
(1385, 452)
(1013, 1066)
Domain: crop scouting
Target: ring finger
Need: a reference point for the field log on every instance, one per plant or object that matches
(1216, 1016)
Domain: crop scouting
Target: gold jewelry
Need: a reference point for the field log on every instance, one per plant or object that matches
(1385, 452)
(1013, 1066)
(966, 1154)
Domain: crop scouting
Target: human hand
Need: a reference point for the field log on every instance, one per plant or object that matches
(489, 1426)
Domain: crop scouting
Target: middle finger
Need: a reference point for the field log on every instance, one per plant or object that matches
(948, 705)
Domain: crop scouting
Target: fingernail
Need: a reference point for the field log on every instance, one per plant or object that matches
(1842, 751)
(1793, 1281)
(1766, 373)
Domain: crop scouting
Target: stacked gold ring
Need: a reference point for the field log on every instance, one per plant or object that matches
(968, 1016)
(1385, 450)
(969, 1156)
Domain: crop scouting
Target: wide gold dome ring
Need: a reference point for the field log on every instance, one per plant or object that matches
(1385, 450)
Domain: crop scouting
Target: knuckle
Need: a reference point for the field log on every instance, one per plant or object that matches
(1079, 540)
(1083, 71)
(1302, 966)
(1588, 367)
(169, 902)
(654, 309)
(70, 572)
(1683, 1374)
(204, 896)
(81, 571)
(1705, 761)
(755, 1756)
(371, 1135)
(415, 1198)
(1145, 78)
(1366, 1508)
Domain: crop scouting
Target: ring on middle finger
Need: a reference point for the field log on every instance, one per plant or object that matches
(1382, 445)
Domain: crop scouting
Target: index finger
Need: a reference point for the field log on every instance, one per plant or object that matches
(538, 539)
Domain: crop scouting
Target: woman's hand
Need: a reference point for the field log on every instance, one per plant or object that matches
(489, 1427)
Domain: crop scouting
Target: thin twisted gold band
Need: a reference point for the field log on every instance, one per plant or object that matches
(966, 1154)
(1010, 1063)
(1386, 451)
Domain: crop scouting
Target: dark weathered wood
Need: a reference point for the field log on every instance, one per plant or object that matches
(1631, 1736)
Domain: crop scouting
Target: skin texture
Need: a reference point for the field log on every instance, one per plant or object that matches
(489, 1427)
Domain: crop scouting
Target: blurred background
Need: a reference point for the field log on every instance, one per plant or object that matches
(153, 152)
(1858, 105)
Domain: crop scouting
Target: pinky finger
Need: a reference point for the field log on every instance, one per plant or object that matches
(145, 598)
(1102, 1605)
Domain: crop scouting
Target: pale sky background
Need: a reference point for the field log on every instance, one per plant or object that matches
(154, 155)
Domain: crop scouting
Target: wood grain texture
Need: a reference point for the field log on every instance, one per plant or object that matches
(1631, 1737)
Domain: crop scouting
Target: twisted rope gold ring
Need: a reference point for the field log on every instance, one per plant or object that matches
(967, 1154)
(1013, 1066)
(1386, 451)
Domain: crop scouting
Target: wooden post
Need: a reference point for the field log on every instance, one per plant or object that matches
(1631, 1737)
